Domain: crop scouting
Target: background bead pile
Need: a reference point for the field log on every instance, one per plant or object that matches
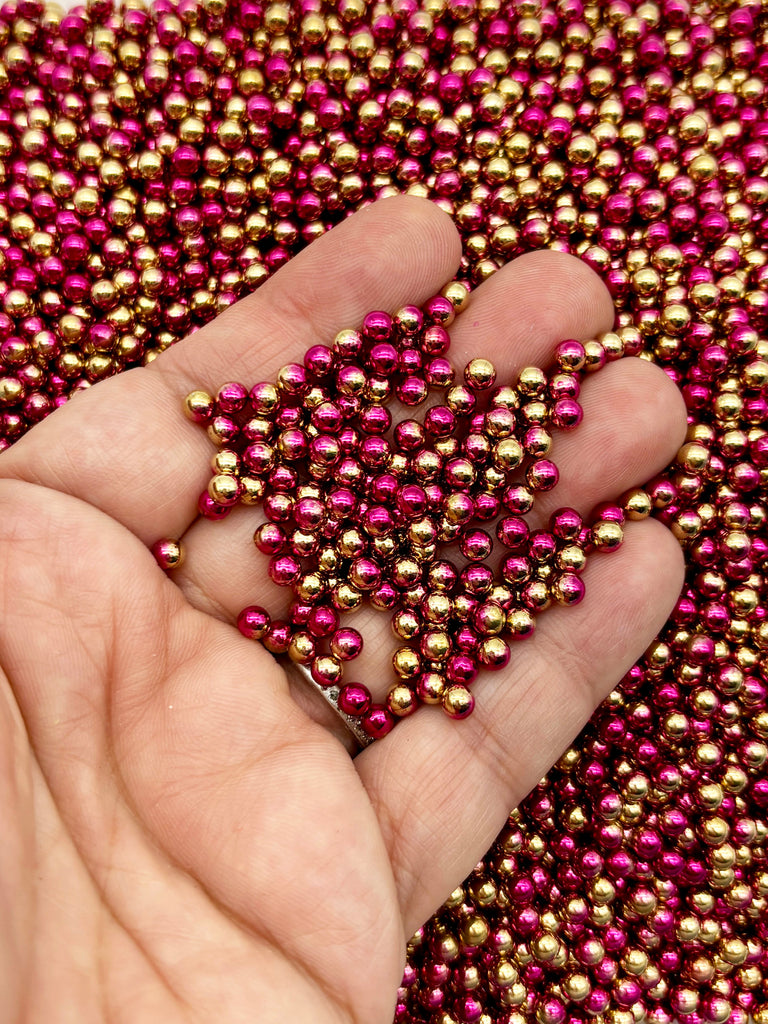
(157, 164)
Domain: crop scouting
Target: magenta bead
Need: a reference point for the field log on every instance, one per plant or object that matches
(253, 622)
(377, 721)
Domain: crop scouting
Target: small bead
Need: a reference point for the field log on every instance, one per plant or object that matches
(378, 721)
(168, 553)
(199, 406)
(354, 699)
(458, 701)
(480, 374)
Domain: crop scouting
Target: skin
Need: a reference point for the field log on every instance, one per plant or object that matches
(185, 835)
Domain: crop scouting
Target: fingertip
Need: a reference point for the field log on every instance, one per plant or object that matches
(570, 289)
(634, 423)
(522, 311)
(660, 564)
(667, 403)
(437, 228)
(398, 250)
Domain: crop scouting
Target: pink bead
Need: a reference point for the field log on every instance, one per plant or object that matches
(253, 622)
(210, 509)
(567, 414)
(323, 621)
(377, 721)
(346, 643)
(354, 699)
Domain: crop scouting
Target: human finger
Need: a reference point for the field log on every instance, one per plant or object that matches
(123, 445)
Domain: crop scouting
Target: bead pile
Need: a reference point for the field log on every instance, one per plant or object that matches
(157, 164)
(353, 513)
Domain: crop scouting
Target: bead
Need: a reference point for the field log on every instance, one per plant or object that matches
(199, 406)
(169, 554)
(628, 135)
(401, 700)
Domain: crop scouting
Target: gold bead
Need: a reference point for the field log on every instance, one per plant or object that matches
(401, 700)
(545, 947)
(223, 489)
(475, 931)
(457, 294)
(457, 700)
(431, 687)
(577, 987)
(252, 490)
(507, 454)
(607, 536)
(406, 662)
(302, 648)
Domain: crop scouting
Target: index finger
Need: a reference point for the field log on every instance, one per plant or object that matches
(124, 446)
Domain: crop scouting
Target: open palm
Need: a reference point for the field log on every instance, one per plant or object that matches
(184, 836)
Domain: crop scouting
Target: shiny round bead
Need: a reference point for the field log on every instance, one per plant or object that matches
(323, 621)
(211, 509)
(377, 326)
(319, 361)
(430, 687)
(169, 554)
(409, 435)
(457, 701)
(520, 623)
(354, 699)
(442, 576)
(302, 649)
(607, 535)
(409, 319)
(476, 545)
(477, 579)
(566, 524)
(199, 406)
(231, 398)
(264, 399)
(489, 618)
(566, 414)
(308, 513)
(224, 489)
(507, 454)
(570, 356)
(493, 653)
(364, 574)
(254, 622)
(568, 589)
(326, 670)
(277, 638)
(377, 721)
(270, 539)
(434, 645)
(480, 374)
(411, 500)
(412, 391)
(542, 475)
(346, 644)
(439, 421)
(284, 570)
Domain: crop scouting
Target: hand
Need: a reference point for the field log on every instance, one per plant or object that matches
(184, 838)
